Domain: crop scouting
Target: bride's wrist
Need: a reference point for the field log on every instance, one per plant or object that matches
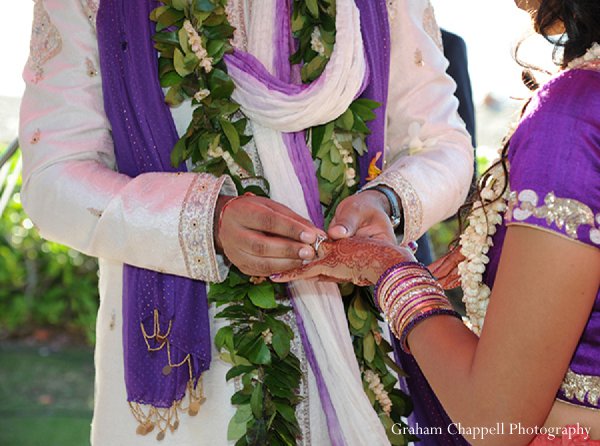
(392, 255)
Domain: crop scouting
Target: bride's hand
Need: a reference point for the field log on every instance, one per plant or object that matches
(358, 260)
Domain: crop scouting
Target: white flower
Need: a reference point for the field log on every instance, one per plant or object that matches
(206, 64)
(267, 336)
(475, 243)
(316, 43)
(201, 94)
(218, 152)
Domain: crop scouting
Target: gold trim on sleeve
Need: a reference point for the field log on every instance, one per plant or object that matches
(567, 214)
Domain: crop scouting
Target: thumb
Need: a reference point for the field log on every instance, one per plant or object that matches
(344, 224)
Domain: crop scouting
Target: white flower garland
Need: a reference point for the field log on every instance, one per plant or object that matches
(591, 55)
(475, 243)
(476, 240)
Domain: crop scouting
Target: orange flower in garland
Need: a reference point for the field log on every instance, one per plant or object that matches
(374, 171)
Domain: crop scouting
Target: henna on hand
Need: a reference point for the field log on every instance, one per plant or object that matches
(445, 269)
(358, 260)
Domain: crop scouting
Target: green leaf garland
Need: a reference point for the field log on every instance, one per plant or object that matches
(256, 341)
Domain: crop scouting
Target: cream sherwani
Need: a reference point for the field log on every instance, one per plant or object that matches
(74, 195)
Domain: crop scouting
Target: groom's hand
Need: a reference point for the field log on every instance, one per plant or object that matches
(262, 237)
(363, 215)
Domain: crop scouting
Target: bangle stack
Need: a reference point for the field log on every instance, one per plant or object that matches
(407, 294)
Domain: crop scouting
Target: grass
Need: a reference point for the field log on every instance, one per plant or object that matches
(46, 395)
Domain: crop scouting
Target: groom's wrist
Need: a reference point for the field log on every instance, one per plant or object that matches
(391, 204)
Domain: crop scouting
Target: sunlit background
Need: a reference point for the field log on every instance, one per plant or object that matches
(48, 293)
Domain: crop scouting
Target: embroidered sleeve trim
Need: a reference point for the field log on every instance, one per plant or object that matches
(46, 41)
(412, 207)
(196, 228)
(565, 214)
(431, 26)
(583, 388)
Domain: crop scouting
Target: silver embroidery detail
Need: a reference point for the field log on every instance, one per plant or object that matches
(237, 19)
(303, 407)
(45, 41)
(90, 9)
(91, 69)
(567, 214)
(583, 388)
(431, 27)
(35, 138)
(196, 228)
(411, 203)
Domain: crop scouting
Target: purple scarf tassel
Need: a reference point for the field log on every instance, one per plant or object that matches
(144, 135)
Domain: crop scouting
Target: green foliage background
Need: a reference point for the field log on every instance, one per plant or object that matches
(42, 284)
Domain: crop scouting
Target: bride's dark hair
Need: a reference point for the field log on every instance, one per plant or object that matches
(581, 23)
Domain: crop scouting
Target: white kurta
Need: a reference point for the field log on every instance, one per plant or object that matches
(75, 197)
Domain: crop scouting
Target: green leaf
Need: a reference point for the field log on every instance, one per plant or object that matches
(359, 306)
(231, 134)
(331, 172)
(177, 154)
(263, 296)
(219, 32)
(259, 352)
(215, 48)
(256, 435)
(170, 17)
(355, 322)
(367, 103)
(360, 126)
(220, 84)
(238, 370)
(298, 22)
(369, 347)
(179, 61)
(180, 4)
(204, 5)
(166, 37)
(313, 8)
(346, 120)
(237, 424)
(156, 13)
(224, 338)
(313, 69)
(256, 401)
(281, 343)
(244, 161)
(365, 113)
(183, 41)
(286, 412)
(170, 79)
